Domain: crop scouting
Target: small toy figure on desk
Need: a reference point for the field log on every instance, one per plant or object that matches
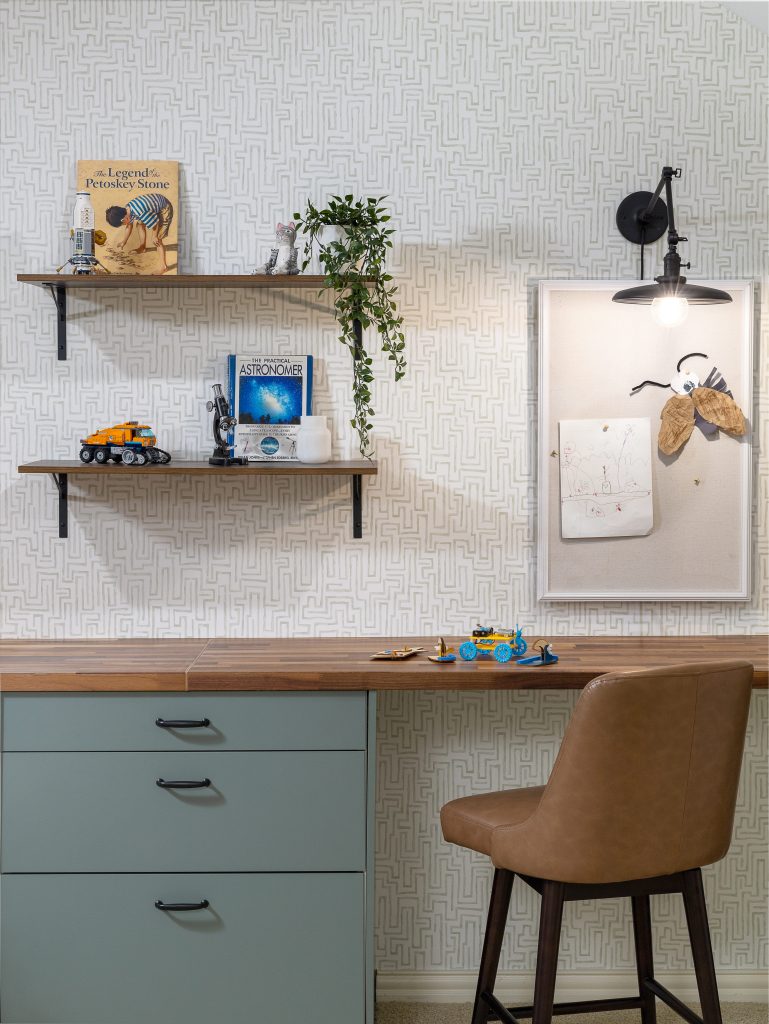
(283, 258)
(501, 643)
(396, 655)
(222, 423)
(545, 656)
(445, 655)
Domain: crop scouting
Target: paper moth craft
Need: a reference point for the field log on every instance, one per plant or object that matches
(709, 405)
(606, 478)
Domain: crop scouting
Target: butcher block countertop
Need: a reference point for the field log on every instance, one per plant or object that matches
(341, 663)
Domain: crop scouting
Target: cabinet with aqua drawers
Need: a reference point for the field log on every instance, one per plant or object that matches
(186, 858)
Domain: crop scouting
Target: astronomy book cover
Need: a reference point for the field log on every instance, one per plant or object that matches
(268, 396)
(136, 205)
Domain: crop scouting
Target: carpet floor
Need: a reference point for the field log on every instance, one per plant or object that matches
(459, 1013)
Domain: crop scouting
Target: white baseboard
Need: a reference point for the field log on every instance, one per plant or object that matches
(459, 986)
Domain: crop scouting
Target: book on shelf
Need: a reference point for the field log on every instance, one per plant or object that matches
(136, 206)
(268, 396)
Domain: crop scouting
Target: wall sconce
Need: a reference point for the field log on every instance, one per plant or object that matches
(643, 217)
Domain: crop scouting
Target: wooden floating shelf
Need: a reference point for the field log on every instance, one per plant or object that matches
(59, 284)
(74, 467)
(61, 470)
(172, 280)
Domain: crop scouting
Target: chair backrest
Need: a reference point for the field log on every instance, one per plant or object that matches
(645, 782)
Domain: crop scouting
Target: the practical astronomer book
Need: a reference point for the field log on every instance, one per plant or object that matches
(136, 205)
(268, 395)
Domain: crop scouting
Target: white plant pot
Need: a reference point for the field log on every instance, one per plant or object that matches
(331, 233)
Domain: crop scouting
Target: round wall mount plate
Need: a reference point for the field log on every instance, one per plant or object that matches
(629, 213)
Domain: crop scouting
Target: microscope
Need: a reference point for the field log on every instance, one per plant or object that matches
(222, 424)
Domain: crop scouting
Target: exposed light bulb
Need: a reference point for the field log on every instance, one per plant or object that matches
(670, 311)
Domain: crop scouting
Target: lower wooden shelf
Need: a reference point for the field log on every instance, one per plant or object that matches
(61, 470)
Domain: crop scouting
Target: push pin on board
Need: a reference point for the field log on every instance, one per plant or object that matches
(697, 482)
(553, 454)
(605, 427)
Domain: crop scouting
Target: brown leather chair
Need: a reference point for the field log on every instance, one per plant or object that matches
(641, 796)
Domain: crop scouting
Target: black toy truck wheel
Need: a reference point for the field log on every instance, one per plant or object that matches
(86, 454)
(141, 458)
(101, 455)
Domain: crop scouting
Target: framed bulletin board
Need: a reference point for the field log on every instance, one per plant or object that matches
(693, 541)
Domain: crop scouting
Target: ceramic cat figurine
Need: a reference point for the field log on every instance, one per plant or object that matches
(283, 256)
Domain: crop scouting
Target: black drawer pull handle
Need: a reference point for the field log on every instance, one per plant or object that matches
(182, 723)
(181, 906)
(183, 783)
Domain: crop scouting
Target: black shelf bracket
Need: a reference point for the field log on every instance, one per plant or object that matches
(60, 479)
(357, 506)
(59, 296)
(357, 333)
(357, 479)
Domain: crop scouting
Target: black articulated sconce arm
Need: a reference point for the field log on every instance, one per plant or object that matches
(642, 218)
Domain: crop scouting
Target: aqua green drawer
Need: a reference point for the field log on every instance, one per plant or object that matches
(237, 721)
(80, 949)
(263, 811)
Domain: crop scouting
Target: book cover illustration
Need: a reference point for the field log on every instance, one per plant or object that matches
(268, 396)
(136, 205)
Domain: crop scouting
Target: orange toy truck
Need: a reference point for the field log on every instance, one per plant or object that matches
(131, 443)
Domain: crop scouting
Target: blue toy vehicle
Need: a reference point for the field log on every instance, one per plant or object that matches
(501, 643)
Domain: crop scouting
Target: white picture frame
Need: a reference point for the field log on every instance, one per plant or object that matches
(590, 352)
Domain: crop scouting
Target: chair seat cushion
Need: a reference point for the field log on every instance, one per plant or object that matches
(471, 820)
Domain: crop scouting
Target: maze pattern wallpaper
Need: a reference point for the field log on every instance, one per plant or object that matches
(504, 135)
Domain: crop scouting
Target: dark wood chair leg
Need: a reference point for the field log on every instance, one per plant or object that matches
(702, 951)
(550, 918)
(499, 906)
(644, 956)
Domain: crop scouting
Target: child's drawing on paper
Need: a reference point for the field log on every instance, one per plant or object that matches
(606, 478)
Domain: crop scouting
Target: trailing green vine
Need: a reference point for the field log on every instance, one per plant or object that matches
(354, 270)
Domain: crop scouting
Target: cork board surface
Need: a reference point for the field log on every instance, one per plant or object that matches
(592, 351)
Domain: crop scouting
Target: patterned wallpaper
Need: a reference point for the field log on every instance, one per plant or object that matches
(505, 134)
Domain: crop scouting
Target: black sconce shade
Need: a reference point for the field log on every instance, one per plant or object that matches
(642, 217)
(697, 294)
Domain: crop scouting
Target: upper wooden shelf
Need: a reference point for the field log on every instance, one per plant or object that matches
(172, 280)
(59, 284)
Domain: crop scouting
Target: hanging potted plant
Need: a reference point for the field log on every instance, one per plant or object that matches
(353, 239)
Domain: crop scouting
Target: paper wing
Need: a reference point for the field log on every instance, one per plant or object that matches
(717, 407)
(716, 381)
(677, 424)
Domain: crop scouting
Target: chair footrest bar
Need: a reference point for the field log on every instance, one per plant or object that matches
(498, 1011)
(672, 1001)
(582, 1006)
